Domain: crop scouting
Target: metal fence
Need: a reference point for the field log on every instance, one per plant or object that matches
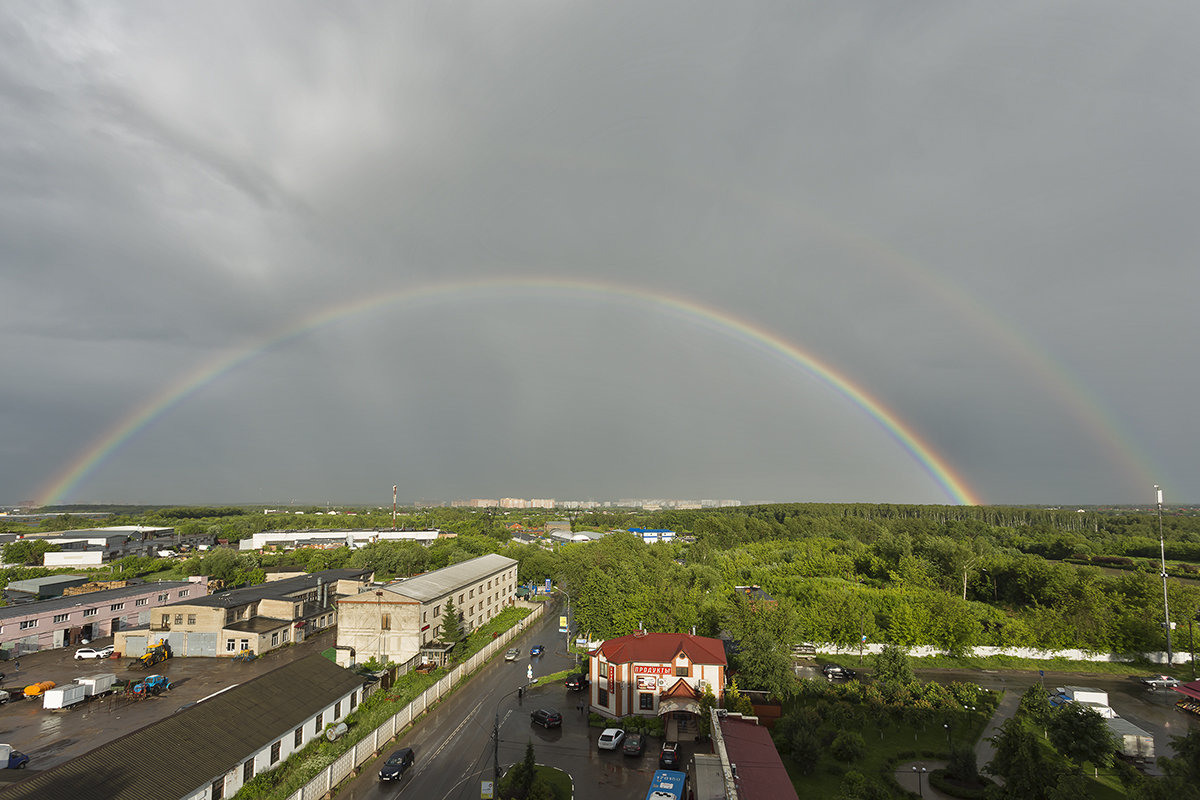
(367, 747)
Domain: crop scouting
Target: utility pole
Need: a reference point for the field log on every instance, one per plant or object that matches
(1163, 552)
(496, 752)
(394, 487)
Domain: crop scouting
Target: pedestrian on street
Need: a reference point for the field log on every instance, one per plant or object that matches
(17, 664)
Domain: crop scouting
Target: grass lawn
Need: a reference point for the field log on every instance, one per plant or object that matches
(1051, 665)
(886, 744)
(560, 780)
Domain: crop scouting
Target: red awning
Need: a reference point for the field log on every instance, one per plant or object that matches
(1192, 689)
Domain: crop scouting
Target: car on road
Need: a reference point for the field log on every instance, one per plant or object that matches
(397, 764)
(669, 757)
(536, 650)
(93, 652)
(512, 654)
(1162, 682)
(836, 672)
(611, 739)
(546, 717)
(578, 682)
(635, 744)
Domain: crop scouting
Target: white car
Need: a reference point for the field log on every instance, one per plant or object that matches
(94, 652)
(513, 654)
(611, 739)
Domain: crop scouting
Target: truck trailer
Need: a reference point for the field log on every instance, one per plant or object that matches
(1132, 742)
(63, 696)
(97, 685)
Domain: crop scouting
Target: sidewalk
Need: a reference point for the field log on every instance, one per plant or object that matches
(917, 780)
(984, 749)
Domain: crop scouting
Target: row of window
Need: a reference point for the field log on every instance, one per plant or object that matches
(91, 612)
(218, 786)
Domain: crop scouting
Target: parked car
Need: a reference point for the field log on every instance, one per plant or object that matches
(536, 650)
(512, 654)
(635, 744)
(93, 652)
(1161, 682)
(611, 739)
(546, 717)
(396, 765)
(578, 682)
(669, 757)
(837, 672)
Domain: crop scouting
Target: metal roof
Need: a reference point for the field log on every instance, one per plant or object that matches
(441, 582)
(190, 749)
(277, 590)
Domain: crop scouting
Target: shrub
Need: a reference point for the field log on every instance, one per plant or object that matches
(848, 746)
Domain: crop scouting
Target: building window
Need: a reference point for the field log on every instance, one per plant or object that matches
(248, 771)
(460, 599)
(646, 701)
(61, 617)
(681, 672)
(230, 645)
(353, 700)
(245, 644)
(317, 727)
(218, 788)
(90, 612)
(166, 620)
(179, 619)
(185, 592)
(298, 736)
(191, 619)
(162, 598)
(141, 601)
(116, 606)
(437, 611)
(337, 709)
(472, 593)
(28, 623)
(275, 751)
(385, 622)
(602, 697)
(274, 638)
(424, 616)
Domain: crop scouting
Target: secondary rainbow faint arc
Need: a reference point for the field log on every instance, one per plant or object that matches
(712, 318)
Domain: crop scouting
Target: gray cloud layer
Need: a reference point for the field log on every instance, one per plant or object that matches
(983, 216)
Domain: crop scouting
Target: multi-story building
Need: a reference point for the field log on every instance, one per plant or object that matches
(393, 622)
(65, 621)
(257, 618)
(656, 674)
(288, 540)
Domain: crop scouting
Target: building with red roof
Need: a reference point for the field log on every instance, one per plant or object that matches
(656, 674)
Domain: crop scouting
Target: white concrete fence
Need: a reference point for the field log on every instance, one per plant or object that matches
(370, 745)
(1160, 657)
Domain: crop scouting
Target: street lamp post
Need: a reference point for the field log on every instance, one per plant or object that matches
(919, 775)
(1162, 546)
(949, 736)
(496, 733)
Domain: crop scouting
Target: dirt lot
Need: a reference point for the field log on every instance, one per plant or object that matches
(51, 737)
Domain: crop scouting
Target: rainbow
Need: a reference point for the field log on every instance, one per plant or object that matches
(86, 462)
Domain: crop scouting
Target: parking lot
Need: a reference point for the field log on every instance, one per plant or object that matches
(51, 737)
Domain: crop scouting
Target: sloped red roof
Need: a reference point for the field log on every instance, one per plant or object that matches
(661, 648)
(760, 771)
(1191, 689)
(681, 689)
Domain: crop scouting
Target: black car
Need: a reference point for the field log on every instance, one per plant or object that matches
(396, 765)
(634, 744)
(546, 717)
(578, 682)
(669, 757)
(837, 672)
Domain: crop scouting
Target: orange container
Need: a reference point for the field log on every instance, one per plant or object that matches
(35, 689)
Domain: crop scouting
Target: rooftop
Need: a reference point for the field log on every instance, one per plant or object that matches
(193, 747)
(100, 598)
(278, 590)
(760, 770)
(441, 582)
(662, 647)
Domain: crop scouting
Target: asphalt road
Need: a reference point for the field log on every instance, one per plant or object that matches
(453, 743)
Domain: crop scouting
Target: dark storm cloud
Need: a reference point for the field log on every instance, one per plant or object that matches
(979, 215)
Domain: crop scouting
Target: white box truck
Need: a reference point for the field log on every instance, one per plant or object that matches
(63, 696)
(1131, 741)
(97, 685)
(1085, 694)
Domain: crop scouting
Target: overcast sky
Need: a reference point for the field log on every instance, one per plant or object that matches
(983, 216)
